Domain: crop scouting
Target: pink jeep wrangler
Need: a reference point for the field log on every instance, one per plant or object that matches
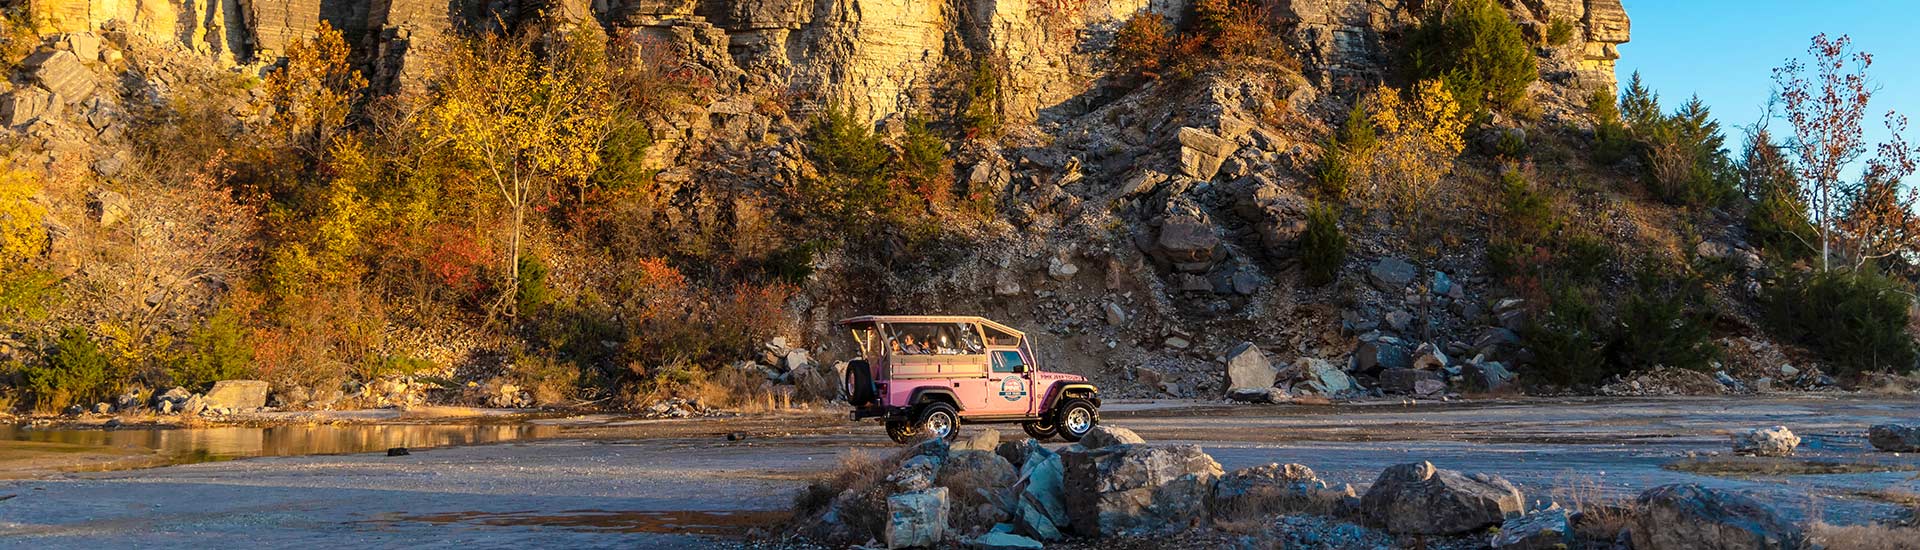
(924, 374)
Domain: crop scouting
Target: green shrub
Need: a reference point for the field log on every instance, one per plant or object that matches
(1529, 212)
(924, 163)
(76, 372)
(980, 101)
(534, 293)
(623, 156)
(217, 350)
(794, 264)
(1333, 171)
(27, 295)
(852, 163)
(1665, 322)
(1323, 248)
(1478, 50)
(1688, 160)
(1560, 32)
(1856, 320)
(1612, 142)
(1567, 342)
(1511, 145)
(1777, 219)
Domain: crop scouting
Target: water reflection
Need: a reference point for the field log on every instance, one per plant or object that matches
(203, 444)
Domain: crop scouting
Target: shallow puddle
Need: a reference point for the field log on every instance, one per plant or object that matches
(722, 523)
(191, 445)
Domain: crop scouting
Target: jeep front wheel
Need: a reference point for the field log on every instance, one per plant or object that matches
(1076, 418)
(938, 420)
(1041, 430)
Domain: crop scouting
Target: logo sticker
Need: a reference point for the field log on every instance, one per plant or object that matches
(1013, 388)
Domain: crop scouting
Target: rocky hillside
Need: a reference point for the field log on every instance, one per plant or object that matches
(1146, 222)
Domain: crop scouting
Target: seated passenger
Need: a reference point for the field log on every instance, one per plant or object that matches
(911, 346)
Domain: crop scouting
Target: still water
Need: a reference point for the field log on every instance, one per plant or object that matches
(186, 445)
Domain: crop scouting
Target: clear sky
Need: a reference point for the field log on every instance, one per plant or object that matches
(1725, 51)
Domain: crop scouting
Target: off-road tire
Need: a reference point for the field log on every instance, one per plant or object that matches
(900, 431)
(859, 384)
(1069, 421)
(925, 418)
(1040, 430)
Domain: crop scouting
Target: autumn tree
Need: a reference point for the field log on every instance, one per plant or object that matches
(21, 235)
(313, 93)
(1825, 101)
(523, 120)
(1418, 136)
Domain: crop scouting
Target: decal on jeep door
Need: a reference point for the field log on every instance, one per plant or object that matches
(1013, 388)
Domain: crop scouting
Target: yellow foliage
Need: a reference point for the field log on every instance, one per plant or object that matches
(1420, 135)
(313, 94)
(22, 237)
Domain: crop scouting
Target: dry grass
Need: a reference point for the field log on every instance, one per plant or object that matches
(857, 488)
(1601, 518)
(1863, 537)
(976, 482)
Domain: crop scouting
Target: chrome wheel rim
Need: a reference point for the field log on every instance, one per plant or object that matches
(1079, 420)
(939, 424)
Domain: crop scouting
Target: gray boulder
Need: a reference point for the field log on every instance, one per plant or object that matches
(1005, 541)
(1774, 441)
(177, 396)
(22, 105)
(1412, 382)
(915, 474)
(1265, 396)
(1895, 438)
(237, 394)
(1548, 529)
(1248, 368)
(1692, 517)
(1391, 274)
(987, 440)
(1108, 436)
(1187, 242)
(195, 404)
(61, 72)
(917, 518)
(1274, 489)
(1487, 375)
(1322, 378)
(1201, 153)
(1040, 505)
(1381, 354)
(977, 469)
(1123, 488)
(1419, 499)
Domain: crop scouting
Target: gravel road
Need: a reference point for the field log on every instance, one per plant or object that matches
(607, 482)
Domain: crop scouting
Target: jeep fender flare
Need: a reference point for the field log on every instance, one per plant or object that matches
(1070, 389)
(924, 395)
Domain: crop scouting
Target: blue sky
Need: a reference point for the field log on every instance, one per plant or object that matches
(1725, 51)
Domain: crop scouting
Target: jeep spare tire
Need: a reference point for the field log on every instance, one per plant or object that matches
(859, 384)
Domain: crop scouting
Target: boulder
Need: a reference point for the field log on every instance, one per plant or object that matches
(1039, 503)
(1322, 377)
(987, 440)
(1692, 517)
(1549, 529)
(1005, 541)
(237, 394)
(1247, 368)
(1381, 353)
(61, 72)
(1186, 242)
(1774, 441)
(194, 404)
(22, 105)
(1108, 436)
(1429, 356)
(1487, 376)
(1391, 274)
(1123, 488)
(1061, 269)
(127, 402)
(917, 518)
(1201, 153)
(1266, 396)
(1411, 381)
(916, 473)
(1895, 438)
(1116, 315)
(1419, 499)
(1274, 489)
(972, 469)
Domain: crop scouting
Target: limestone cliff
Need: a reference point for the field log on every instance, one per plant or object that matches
(876, 57)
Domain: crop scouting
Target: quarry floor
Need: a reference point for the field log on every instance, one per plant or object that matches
(606, 481)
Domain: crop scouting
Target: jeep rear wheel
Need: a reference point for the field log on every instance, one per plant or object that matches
(937, 419)
(899, 431)
(1075, 418)
(1040, 429)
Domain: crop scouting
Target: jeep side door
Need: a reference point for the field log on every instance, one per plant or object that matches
(1010, 390)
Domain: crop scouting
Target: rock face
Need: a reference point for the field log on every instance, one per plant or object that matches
(1675, 517)
(1774, 441)
(1127, 487)
(237, 394)
(1420, 499)
(1247, 368)
(1040, 505)
(1895, 438)
(917, 518)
